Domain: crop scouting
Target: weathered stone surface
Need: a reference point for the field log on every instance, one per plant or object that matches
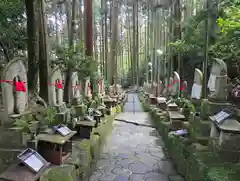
(175, 178)
(56, 93)
(74, 88)
(7, 157)
(197, 85)
(14, 102)
(60, 173)
(81, 154)
(95, 148)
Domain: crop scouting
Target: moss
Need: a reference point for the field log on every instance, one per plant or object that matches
(192, 159)
(60, 173)
(118, 109)
(81, 154)
(220, 173)
(95, 147)
(7, 158)
(205, 109)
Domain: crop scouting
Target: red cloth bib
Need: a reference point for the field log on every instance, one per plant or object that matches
(20, 87)
(59, 85)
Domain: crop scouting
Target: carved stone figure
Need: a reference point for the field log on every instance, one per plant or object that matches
(14, 87)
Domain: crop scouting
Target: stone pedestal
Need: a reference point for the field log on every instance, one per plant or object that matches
(161, 103)
(152, 100)
(199, 129)
(225, 138)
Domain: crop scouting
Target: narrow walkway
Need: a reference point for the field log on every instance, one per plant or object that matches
(134, 153)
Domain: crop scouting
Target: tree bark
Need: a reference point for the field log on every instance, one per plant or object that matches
(137, 45)
(89, 27)
(102, 52)
(114, 29)
(134, 42)
(43, 56)
(32, 44)
(71, 46)
(105, 39)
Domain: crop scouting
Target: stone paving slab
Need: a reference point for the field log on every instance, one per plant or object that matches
(134, 153)
(133, 104)
(138, 117)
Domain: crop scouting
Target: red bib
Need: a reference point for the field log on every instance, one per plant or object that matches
(20, 87)
(59, 85)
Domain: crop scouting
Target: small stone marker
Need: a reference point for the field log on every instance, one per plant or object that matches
(175, 90)
(197, 85)
(56, 93)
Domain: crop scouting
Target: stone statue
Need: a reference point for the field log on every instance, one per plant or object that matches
(56, 91)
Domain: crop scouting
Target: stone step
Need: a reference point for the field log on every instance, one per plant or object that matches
(203, 140)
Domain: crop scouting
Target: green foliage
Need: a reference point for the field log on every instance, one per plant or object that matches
(75, 59)
(227, 40)
(107, 87)
(49, 116)
(26, 124)
(12, 26)
(93, 104)
(193, 36)
(227, 45)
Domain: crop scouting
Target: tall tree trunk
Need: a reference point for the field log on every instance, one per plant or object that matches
(81, 29)
(56, 22)
(134, 42)
(147, 42)
(110, 61)
(68, 14)
(128, 45)
(153, 46)
(95, 35)
(114, 40)
(43, 56)
(32, 43)
(71, 46)
(102, 45)
(88, 27)
(130, 48)
(137, 44)
(106, 39)
(122, 51)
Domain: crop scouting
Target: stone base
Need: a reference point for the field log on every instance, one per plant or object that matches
(13, 138)
(199, 128)
(153, 100)
(84, 131)
(215, 107)
(197, 104)
(176, 124)
(8, 157)
(225, 155)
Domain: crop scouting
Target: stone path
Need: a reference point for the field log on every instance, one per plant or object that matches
(134, 153)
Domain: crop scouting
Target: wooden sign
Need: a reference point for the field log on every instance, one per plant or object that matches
(221, 116)
(32, 160)
(62, 129)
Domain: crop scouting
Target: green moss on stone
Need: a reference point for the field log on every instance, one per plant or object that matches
(205, 109)
(60, 173)
(81, 153)
(95, 147)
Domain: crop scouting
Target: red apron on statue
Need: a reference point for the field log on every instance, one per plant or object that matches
(20, 87)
